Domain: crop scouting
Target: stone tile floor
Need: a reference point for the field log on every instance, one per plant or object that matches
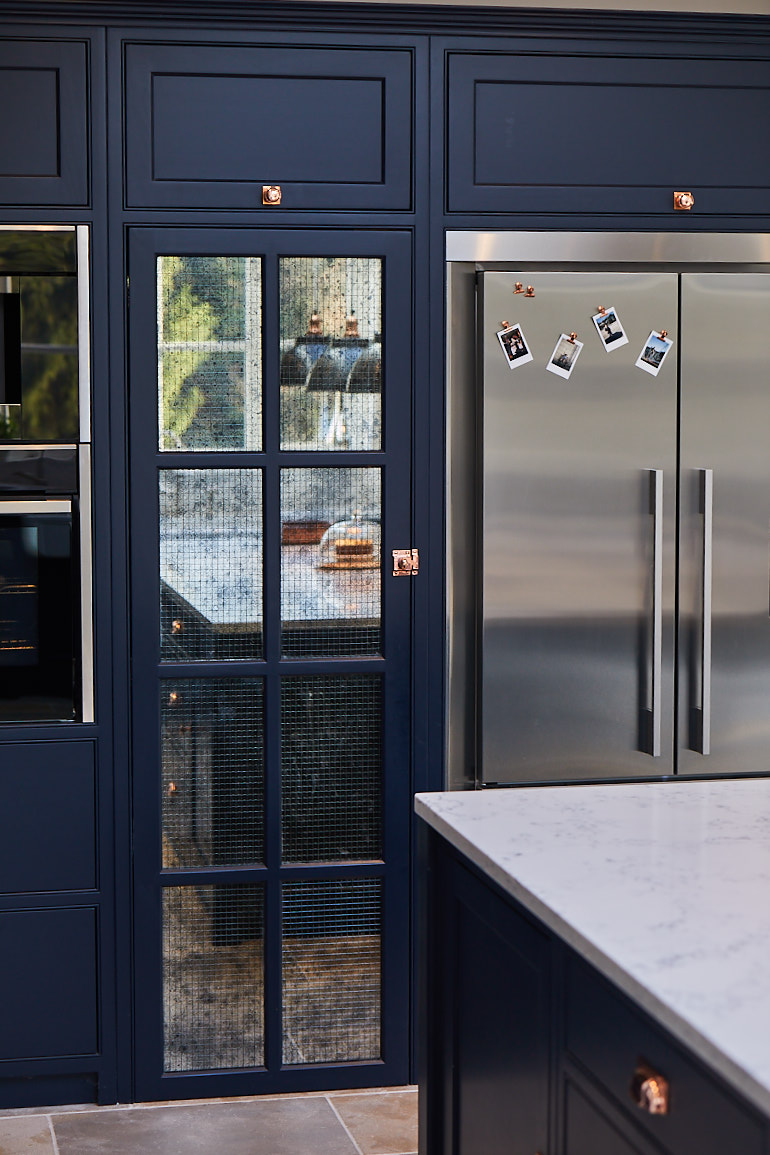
(370, 1122)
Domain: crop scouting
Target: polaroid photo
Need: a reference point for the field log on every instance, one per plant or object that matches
(565, 354)
(514, 346)
(610, 329)
(654, 353)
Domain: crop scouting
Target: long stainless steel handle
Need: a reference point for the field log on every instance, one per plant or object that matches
(34, 505)
(707, 510)
(656, 509)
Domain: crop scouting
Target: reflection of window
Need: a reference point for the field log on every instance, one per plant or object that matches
(210, 353)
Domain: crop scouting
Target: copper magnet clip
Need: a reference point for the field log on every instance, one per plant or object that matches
(601, 310)
(664, 333)
(683, 200)
(530, 291)
(572, 337)
(271, 194)
(505, 324)
(518, 288)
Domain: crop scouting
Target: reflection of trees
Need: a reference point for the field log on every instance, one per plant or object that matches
(49, 379)
(203, 301)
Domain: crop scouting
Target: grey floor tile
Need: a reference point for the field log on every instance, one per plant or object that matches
(268, 1127)
(381, 1124)
(26, 1135)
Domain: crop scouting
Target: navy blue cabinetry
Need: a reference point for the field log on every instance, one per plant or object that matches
(591, 133)
(208, 125)
(44, 126)
(527, 1048)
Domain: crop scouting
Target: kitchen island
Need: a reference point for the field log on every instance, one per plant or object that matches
(584, 942)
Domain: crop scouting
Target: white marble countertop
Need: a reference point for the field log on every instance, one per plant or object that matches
(664, 887)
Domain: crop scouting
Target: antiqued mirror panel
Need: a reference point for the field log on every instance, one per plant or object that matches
(331, 353)
(332, 964)
(330, 562)
(331, 768)
(210, 564)
(213, 977)
(212, 772)
(209, 353)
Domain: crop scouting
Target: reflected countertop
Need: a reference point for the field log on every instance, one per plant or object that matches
(664, 887)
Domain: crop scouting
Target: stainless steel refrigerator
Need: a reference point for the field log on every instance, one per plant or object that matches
(625, 526)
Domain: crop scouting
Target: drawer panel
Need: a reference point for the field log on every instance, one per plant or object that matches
(47, 816)
(44, 126)
(597, 134)
(208, 125)
(608, 1036)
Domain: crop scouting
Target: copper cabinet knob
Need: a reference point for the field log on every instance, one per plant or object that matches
(650, 1090)
(683, 200)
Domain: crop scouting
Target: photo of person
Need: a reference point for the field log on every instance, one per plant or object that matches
(654, 353)
(514, 346)
(562, 360)
(610, 330)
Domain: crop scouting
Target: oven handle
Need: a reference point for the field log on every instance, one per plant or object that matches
(34, 505)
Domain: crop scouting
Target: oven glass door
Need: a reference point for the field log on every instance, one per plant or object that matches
(38, 612)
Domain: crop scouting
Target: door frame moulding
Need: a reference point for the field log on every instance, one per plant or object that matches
(468, 252)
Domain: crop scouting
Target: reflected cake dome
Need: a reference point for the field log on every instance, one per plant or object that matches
(353, 543)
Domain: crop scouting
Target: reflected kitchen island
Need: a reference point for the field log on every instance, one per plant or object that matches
(594, 970)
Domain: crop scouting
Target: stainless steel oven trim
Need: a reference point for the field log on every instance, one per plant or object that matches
(86, 584)
(84, 332)
(599, 247)
(34, 505)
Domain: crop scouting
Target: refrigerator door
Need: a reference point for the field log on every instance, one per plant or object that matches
(724, 643)
(578, 523)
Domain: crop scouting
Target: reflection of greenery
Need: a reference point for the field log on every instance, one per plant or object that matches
(49, 380)
(203, 300)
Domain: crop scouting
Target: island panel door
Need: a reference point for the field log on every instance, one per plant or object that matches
(270, 399)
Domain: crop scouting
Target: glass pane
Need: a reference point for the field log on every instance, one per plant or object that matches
(331, 768)
(331, 352)
(330, 562)
(210, 564)
(213, 1001)
(210, 353)
(212, 761)
(49, 359)
(331, 971)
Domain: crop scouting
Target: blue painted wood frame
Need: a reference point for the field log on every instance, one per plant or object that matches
(394, 666)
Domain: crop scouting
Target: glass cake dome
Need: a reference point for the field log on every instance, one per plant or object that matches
(350, 544)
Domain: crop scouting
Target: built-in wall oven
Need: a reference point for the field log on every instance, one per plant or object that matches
(45, 476)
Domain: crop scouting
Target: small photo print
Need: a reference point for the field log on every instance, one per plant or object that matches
(564, 356)
(514, 346)
(610, 330)
(654, 353)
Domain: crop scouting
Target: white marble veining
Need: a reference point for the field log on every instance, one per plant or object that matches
(664, 887)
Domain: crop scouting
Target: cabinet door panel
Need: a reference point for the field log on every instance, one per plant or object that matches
(576, 134)
(44, 129)
(207, 126)
(500, 1055)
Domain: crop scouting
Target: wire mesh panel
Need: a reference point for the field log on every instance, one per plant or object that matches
(331, 352)
(213, 984)
(331, 768)
(210, 564)
(209, 353)
(332, 971)
(212, 772)
(330, 562)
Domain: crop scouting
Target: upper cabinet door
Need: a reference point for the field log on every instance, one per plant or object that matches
(600, 134)
(208, 125)
(44, 124)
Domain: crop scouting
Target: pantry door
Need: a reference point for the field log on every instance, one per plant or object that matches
(270, 458)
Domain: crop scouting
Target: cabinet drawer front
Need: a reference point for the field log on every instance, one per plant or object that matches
(608, 1037)
(596, 134)
(208, 125)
